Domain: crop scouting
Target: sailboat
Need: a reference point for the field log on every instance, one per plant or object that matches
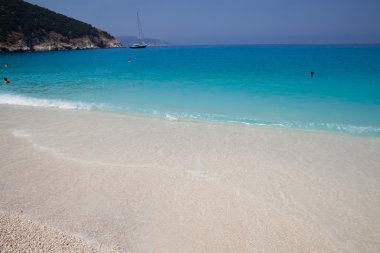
(141, 43)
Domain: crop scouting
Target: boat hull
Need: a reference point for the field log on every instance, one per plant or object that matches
(137, 46)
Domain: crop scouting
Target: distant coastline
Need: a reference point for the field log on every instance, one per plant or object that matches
(129, 40)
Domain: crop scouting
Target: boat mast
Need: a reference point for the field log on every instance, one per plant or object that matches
(141, 35)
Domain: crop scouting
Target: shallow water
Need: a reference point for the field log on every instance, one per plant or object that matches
(259, 85)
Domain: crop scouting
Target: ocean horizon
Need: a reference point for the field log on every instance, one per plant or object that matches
(266, 85)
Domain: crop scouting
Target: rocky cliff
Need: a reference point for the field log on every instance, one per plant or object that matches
(28, 27)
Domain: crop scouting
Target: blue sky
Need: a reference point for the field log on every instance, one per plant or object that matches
(231, 21)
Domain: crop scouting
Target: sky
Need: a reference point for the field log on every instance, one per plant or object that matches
(231, 21)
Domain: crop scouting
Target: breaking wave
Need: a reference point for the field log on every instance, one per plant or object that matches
(332, 127)
(8, 99)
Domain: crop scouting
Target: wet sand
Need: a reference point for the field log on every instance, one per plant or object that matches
(150, 185)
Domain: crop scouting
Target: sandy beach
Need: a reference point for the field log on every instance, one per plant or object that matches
(121, 183)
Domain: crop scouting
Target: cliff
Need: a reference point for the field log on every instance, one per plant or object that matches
(28, 27)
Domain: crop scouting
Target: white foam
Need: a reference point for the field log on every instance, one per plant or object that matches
(170, 117)
(72, 105)
(49, 103)
(338, 127)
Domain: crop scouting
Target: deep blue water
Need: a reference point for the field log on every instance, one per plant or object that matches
(266, 85)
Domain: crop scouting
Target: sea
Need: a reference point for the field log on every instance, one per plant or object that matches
(265, 85)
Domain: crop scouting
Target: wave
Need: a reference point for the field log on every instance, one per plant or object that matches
(334, 127)
(8, 99)
(170, 117)
(337, 127)
(331, 127)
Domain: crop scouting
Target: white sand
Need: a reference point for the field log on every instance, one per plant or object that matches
(147, 185)
(20, 235)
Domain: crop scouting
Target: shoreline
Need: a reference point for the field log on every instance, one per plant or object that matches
(143, 184)
(178, 117)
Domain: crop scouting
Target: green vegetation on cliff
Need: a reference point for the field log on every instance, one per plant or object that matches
(26, 25)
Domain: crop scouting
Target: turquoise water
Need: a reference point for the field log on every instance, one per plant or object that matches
(258, 85)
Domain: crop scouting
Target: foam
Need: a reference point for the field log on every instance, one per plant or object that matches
(173, 116)
(9, 99)
(333, 127)
(336, 127)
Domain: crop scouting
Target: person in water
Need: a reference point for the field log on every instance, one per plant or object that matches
(6, 81)
(311, 73)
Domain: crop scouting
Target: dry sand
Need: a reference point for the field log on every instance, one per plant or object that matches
(150, 185)
(21, 235)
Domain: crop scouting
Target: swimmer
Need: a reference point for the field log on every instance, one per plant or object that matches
(311, 73)
(5, 65)
(6, 81)
(129, 60)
